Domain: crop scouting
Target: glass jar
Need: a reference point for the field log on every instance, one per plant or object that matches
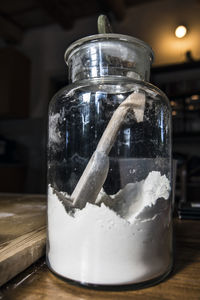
(109, 167)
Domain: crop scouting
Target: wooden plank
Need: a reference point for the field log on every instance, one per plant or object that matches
(22, 233)
(183, 283)
(21, 253)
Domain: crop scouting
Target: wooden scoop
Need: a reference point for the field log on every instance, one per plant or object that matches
(95, 173)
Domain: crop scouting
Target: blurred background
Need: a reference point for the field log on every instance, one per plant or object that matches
(33, 38)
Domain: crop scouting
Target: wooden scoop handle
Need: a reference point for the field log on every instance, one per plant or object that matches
(136, 102)
(95, 173)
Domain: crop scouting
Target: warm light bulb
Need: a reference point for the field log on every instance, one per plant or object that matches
(195, 97)
(191, 107)
(180, 31)
(174, 113)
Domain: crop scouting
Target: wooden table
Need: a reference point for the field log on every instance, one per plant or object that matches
(37, 282)
(22, 232)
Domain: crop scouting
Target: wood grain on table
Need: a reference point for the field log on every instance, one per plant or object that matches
(37, 282)
(22, 232)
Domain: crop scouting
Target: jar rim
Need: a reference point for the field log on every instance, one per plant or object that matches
(107, 36)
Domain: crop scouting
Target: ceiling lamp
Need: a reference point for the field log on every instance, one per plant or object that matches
(180, 31)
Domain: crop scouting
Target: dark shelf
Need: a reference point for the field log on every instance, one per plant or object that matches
(176, 67)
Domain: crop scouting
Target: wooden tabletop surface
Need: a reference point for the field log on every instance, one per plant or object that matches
(37, 282)
(22, 232)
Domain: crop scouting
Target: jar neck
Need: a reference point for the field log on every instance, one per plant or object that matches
(110, 56)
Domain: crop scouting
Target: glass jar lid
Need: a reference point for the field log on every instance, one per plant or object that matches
(109, 54)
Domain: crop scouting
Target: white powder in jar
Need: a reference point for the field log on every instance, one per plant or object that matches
(100, 246)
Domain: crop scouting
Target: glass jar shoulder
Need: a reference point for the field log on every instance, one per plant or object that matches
(109, 85)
